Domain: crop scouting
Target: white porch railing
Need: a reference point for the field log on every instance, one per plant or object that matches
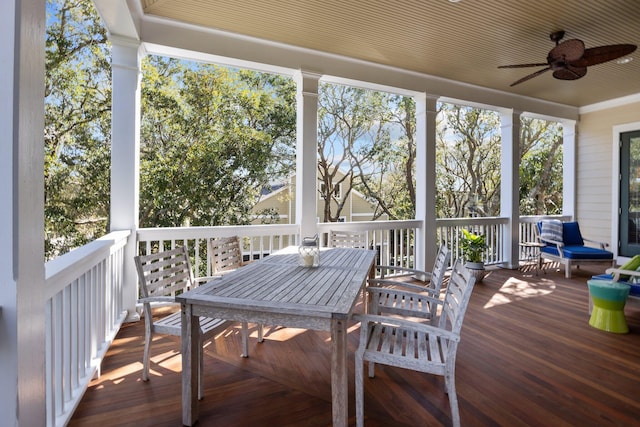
(448, 231)
(257, 241)
(84, 311)
(394, 240)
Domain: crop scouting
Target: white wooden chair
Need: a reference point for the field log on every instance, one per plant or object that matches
(347, 239)
(384, 295)
(225, 254)
(162, 276)
(414, 345)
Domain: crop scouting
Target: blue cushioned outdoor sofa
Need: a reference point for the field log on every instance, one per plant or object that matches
(563, 243)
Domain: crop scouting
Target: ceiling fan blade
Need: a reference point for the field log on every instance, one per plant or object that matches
(570, 73)
(530, 76)
(600, 54)
(544, 64)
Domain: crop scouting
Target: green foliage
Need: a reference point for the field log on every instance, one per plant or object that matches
(540, 167)
(468, 160)
(211, 139)
(472, 245)
(77, 127)
(368, 136)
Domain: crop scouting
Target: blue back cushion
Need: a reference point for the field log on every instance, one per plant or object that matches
(571, 234)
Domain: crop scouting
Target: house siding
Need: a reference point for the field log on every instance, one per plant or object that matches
(595, 170)
(356, 207)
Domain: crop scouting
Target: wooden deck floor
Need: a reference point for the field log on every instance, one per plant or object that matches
(527, 358)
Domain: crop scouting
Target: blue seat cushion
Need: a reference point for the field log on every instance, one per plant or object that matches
(635, 287)
(578, 252)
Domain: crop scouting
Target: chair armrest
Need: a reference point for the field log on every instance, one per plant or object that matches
(616, 272)
(423, 276)
(156, 299)
(553, 242)
(602, 245)
(387, 283)
(406, 324)
(403, 294)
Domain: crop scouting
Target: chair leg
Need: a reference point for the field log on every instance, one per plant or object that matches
(245, 340)
(450, 385)
(146, 356)
(359, 390)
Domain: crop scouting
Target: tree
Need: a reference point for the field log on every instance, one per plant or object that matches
(356, 131)
(77, 126)
(540, 167)
(468, 162)
(393, 188)
(211, 139)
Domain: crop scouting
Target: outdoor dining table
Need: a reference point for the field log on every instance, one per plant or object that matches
(276, 290)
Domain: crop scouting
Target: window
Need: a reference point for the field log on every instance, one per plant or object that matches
(337, 191)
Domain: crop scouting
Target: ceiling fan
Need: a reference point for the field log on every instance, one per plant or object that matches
(569, 59)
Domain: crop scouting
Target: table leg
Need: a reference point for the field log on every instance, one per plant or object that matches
(190, 341)
(339, 380)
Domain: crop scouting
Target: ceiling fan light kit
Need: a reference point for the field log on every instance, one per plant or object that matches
(569, 59)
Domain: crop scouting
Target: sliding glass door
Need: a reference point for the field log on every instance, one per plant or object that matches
(630, 193)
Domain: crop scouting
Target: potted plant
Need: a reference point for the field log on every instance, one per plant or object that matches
(473, 247)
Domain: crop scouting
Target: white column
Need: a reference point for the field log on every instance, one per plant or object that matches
(569, 175)
(426, 239)
(307, 152)
(125, 156)
(510, 188)
(22, 315)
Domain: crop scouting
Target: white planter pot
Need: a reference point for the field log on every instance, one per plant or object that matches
(477, 269)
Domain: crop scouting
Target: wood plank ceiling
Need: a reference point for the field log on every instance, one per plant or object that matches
(461, 40)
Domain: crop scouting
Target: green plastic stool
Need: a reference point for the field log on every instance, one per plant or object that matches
(608, 305)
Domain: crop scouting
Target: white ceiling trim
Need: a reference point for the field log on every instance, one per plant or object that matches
(619, 102)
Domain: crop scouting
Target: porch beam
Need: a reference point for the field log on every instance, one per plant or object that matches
(125, 157)
(510, 188)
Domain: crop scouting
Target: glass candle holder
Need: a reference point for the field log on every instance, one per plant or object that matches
(309, 251)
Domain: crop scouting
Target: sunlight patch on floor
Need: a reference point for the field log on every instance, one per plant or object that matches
(118, 375)
(170, 360)
(282, 334)
(515, 289)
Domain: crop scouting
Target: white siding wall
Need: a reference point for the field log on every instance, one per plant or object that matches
(595, 171)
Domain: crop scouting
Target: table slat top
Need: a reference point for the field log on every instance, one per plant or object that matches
(278, 284)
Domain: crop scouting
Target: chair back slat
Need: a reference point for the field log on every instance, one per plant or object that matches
(225, 254)
(440, 268)
(164, 273)
(348, 239)
(456, 298)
